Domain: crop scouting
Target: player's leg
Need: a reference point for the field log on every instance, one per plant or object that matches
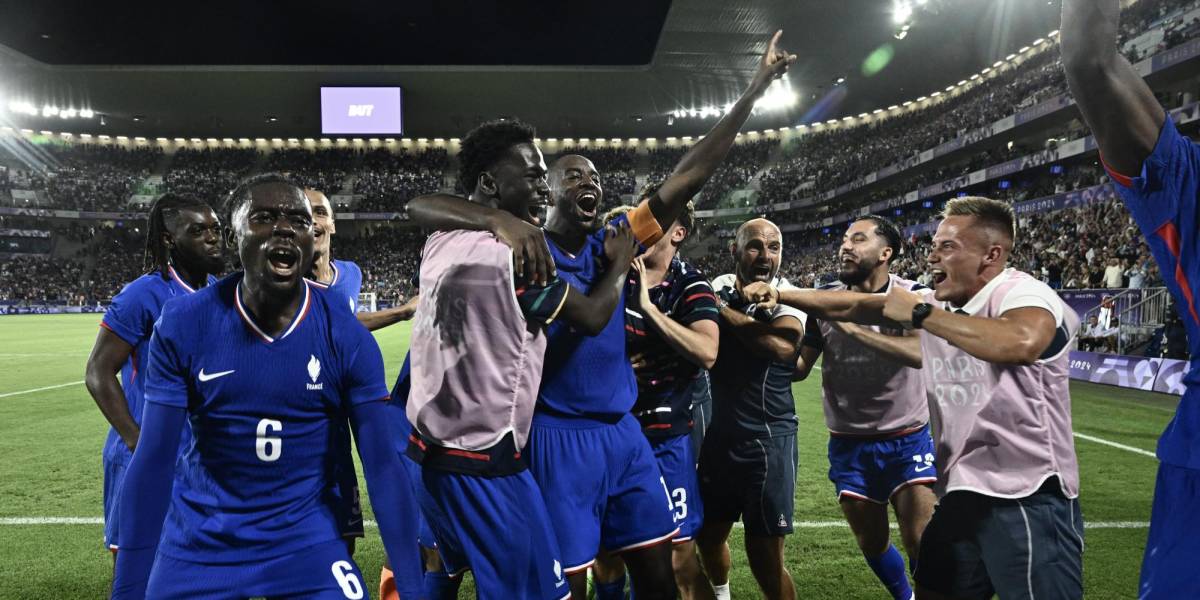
(1033, 546)
(914, 507)
(868, 521)
(677, 464)
(721, 482)
(951, 560)
(639, 520)
(608, 576)
(474, 519)
(563, 462)
(1168, 569)
(769, 500)
(693, 584)
(713, 543)
(114, 473)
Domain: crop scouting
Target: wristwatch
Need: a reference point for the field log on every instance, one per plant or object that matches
(919, 313)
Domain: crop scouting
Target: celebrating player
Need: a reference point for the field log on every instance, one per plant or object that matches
(1157, 175)
(343, 280)
(477, 351)
(880, 450)
(671, 333)
(748, 459)
(995, 354)
(263, 367)
(595, 469)
(183, 249)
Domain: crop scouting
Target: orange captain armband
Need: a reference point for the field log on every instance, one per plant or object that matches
(645, 227)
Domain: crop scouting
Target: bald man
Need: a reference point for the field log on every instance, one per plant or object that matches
(748, 459)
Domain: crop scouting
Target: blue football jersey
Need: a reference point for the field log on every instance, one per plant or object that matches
(347, 282)
(131, 317)
(263, 412)
(1162, 200)
(570, 385)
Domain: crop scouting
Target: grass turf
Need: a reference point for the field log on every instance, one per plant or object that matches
(50, 443)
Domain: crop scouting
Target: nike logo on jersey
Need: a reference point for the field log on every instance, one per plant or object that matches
(211, 376)
(925, 468)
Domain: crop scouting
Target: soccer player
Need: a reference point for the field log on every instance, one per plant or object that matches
(880, 450)
(343, 280)
(748, 459)
(595, 469)
(183, 249)
(995, 353)
(263, 367)
(1158, 175)
(478, 344)
(343, 277)
(671, 334)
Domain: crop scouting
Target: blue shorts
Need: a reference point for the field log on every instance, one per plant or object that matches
(874, 470)
(323, 571)
(344, 497)
(114, 474)
(496, 527)
(678, 467)
(1169, 567)
(602, 486)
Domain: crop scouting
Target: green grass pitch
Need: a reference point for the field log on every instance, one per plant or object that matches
(50, 467)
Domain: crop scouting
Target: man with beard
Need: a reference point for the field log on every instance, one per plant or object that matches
(594, 467)
(183, 247)
(748, 458)
(245, 515)
(995, 354)
(342, 279)
(880, 451)
(1157, 171)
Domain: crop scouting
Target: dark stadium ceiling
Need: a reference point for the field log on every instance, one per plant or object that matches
(586, 69)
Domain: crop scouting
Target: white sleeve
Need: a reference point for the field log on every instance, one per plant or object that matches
(1032, 292)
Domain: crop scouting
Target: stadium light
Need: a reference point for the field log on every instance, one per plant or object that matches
(847, 118)
(1023, 49)
(1052, 33)
(877, 111)
(454, 140)
(922, 98)
(121, 138)
(104, 138)
(907, 103)
(243, 140)
(963, 82)
(902, 11)
(863, 115)
(974, 77)
(65, 135)
(935, 94)
(1039, 41)
(139, 139)
(49, 111)
(893, 107)
(831, 122)
(949, 88)
(161, 140)
(85, 136)
(986, 70)
(997, 64)
(87, 113)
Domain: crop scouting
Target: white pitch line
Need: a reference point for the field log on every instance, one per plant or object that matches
(1092, 438)
(373, 524)
(41, 389)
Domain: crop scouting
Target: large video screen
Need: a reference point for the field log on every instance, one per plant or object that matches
(361, 110)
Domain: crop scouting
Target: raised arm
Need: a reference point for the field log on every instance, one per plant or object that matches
(108, 354)
(1118, 106)
(444, 212)
(706, 155)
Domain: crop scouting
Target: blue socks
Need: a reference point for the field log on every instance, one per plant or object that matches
(613, 590)
(439, 586)
(889, 568)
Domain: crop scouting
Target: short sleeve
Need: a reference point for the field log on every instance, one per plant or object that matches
(541, 304)
(167, 369)
(1168, 180)
(1033, 293)
(697, 303)
(363, 380)
(130, 315)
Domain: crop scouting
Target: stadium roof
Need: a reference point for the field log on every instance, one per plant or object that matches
(616, 68)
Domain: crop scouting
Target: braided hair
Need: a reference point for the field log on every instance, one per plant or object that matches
(165, 208)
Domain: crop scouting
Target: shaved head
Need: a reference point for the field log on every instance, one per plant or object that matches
(753, 227)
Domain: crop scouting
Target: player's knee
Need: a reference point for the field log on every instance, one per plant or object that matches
(683, 560)
(607, 568)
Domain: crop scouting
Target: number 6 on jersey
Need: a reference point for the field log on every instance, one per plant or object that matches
(267, 447)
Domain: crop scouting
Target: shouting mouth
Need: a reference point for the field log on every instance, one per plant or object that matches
(589, 203)
(283, 261)
(938, 276)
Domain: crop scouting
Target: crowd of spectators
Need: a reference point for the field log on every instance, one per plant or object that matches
(210, 173)
(89, 177)
(325, 169)
(388, 181)
(617, 167)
